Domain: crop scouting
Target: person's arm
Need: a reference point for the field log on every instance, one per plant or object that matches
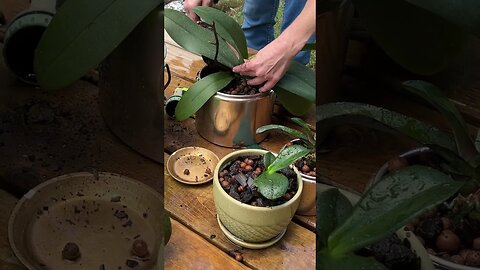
(272, 62)
(188, 5)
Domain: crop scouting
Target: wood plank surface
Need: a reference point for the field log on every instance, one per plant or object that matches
(188, 251)
(195, 208)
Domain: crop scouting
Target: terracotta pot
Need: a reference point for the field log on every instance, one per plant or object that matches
(252, 224)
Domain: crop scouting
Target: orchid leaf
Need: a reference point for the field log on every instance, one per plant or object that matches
(338, 113)
(226, 26)
(286, 157)
(199, 93)
(82, 34)
(440, 101)
(286, 130)
(271, 186)
(389, 204)
(333, 208)
(196, 39)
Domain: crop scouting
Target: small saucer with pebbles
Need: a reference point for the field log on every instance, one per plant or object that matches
(192, 165)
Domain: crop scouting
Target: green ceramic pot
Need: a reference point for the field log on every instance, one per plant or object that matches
(252, 224)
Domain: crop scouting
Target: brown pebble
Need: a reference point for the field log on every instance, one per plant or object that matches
(243, 164)
(448, 241)
(140, 248)
(250, 162)
(305, 168)
(225, 184)
(240, 189)
(186, 172)
(464, 253)
(71, 252)
(208, 171)
(397, 163)
(248, 168)
(287, 196)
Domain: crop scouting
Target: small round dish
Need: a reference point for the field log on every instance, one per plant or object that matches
(192, 165)
(239, 242)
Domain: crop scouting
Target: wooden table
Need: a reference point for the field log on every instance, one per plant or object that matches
(193, 206)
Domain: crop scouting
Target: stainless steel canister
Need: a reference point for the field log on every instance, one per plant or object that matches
(232, 120)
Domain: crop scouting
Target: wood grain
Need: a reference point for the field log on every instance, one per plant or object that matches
(188, 251)
(194, 207)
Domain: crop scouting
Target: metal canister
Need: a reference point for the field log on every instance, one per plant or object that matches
(232, 120)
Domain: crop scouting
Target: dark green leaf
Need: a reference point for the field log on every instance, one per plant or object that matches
(289, 131)
(286, 157)
(389, 204)
(333, 208)
(347, 262)
(293, 103)
(440, 101)
(415, 38)
(82, 34)
(306, 129)
(226, 26)
(268, 158)
(199, 93)
(299, 80)
(465, 13)
(194, 38)
(338, 113)
(454, 163)
(271, 186)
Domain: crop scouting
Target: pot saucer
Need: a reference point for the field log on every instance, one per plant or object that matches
(242, 243)
(192, 165)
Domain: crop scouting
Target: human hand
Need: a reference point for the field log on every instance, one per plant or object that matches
(188, 5)
(269, 64)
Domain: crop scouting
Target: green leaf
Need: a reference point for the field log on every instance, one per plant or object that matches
(299, 80)
(389, 204)
(293, 103)
(455, 164)
(271, 186)
(333, 208)
(347, 262)
(417, 39)
(268, 158)
(227, 27)
(465, 13)
(199, 93)
(440, 101)
(338, 113)
(82, 34)
(196, 39)
(286, 157)
(306, 129)
(289, 131)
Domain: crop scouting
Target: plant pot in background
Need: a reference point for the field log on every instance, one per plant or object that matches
(131, 89)
(232, 120)
(252, 224)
